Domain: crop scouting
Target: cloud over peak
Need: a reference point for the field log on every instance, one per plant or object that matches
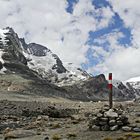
(100, 35)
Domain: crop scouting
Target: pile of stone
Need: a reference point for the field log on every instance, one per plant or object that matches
(108, 119)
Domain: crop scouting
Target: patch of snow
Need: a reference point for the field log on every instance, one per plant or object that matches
(26, 53)
(134, 82)
(2, 61)
(2, 71)
(42, 64)
(73, 75)
(74, 70)
(1, 53)
(116, 83)
(3, 36)
(135, 79)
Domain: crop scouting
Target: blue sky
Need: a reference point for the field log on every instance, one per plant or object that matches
(116, 25)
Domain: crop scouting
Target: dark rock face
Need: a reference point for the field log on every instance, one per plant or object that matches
(24, 44)
(58, 66)
(94, 88)
(133, 89)
(1, 66)
(38, 50)
(123, 92)
(12, 49)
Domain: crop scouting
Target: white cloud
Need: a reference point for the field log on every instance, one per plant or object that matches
(130, 13)
(122, 62)
(47, 22)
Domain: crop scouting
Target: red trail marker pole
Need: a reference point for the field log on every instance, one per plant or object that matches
(110, 90)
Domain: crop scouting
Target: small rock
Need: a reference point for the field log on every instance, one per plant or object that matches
(102, 111)
(93, 121)
(112, 122)
(133, 125)
(136, 129)
(99, 115)
(39, 118)
(56, 137)
(95, 128)
(106, 108)
(102, 123)
(119, 123)
(124, 119)
(105, 128)
(120, 112)
(18, 134)
(111, 114)
(45, 118)
(126, 128)
(104, 119)
(114, 128)
(71, 135)
(46, 138)
(76, 117)
(137, 114)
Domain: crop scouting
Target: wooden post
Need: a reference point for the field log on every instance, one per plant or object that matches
(110, 90)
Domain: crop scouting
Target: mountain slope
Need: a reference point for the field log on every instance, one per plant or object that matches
(135, 84)
(49, 65)
(15, 75)
(45, 74)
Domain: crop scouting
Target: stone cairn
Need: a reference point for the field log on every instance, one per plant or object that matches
(108, 120)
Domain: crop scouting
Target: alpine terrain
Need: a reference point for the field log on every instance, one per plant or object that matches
(43, 98)
(35, 69)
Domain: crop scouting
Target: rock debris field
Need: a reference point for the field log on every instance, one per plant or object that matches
(69, 120)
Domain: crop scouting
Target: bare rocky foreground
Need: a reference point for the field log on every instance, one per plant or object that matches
(60, 119)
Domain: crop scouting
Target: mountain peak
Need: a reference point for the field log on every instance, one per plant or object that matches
(3, 39)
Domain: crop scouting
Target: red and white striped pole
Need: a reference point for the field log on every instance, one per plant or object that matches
(110, 90)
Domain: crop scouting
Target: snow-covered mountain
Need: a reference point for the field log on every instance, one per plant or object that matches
(3, 42)
(134, 82)
(49, 65)
(40, 59)
(130, 87)
(35, 61)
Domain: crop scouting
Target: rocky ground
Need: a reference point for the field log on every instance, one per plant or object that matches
(60, 119)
